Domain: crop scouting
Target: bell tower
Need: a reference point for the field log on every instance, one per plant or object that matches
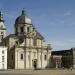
(2, 27)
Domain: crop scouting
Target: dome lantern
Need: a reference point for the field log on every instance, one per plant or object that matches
(22, 23)
(23, 12)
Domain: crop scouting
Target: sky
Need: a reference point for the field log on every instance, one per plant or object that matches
(54, 19)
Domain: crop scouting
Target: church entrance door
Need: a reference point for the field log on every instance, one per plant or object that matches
(35, 63)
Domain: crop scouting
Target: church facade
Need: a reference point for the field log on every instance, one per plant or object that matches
(26, 47)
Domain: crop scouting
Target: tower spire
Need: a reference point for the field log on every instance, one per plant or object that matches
(1, 16)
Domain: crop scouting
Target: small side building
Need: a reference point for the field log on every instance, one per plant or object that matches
(56, 61)
(68, 57)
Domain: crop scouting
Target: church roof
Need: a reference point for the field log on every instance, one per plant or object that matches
(22, 18)
(62, 52)
(11, 35)
(39, 35)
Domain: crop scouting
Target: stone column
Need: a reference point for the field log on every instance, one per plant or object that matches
(25, 29)
(30, 60)
(37, 58)
(16, 59)
(41, 55)
(25, 53)
(47, 58)
(30, 54)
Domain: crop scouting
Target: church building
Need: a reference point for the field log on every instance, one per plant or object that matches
(3, 49)
(26, 47)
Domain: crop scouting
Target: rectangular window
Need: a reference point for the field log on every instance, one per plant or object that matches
(21, 56)
(34, 42)
(22, 29)
(1, 37)
(1, 32)
(2, 58)
(2, 52)
(28, 29)
(12, 57)
(45, 57)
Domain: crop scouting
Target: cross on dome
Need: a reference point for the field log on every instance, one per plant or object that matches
(24, 11)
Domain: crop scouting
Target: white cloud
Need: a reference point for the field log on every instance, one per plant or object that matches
(68, 13)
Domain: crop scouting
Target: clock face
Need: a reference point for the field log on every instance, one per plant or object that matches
(28, 20)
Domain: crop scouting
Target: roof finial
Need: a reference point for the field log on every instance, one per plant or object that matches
(1, 16)
(24, 11)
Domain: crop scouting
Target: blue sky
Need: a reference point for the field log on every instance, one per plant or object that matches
(54, 19)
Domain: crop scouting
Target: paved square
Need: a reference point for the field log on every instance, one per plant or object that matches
(38, 72)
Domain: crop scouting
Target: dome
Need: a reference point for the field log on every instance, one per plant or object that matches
(23, 18)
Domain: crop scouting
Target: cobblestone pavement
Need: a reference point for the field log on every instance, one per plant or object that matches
(38, 72)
